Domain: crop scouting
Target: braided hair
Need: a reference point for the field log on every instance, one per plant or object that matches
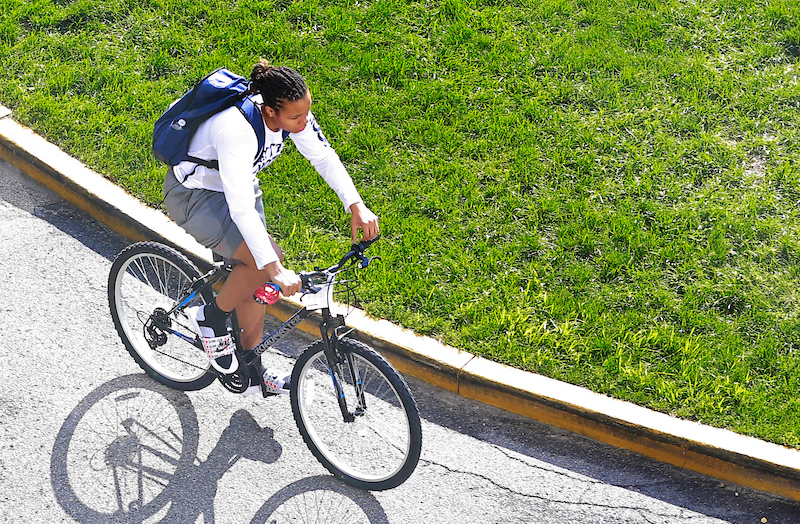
(276, 85)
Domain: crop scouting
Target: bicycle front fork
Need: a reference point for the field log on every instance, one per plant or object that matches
(338, 362)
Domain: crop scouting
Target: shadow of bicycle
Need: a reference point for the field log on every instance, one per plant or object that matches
(127, 453)
(318, 500)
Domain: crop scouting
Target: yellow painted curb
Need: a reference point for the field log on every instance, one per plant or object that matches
(711, 451)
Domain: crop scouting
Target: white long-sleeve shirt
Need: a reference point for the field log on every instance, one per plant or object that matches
(229, 138)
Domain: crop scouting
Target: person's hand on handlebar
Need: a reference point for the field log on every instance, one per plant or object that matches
(365, 220)
(287, 280)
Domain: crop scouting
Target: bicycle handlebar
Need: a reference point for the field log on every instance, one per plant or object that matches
(356, 252)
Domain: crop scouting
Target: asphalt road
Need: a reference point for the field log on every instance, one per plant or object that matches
(70, 395)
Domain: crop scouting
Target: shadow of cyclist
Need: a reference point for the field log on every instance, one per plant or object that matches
(243, 438)
(321, 499)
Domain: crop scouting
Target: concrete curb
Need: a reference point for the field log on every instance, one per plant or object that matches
(715, 452)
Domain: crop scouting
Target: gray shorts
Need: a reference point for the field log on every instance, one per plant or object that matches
(204, 214)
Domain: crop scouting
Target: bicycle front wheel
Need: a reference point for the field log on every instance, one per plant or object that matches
(376, 445)
(146, 282)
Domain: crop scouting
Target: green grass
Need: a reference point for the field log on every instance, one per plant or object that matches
(604, 192)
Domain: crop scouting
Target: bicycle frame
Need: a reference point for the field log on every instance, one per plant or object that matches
(321, 301)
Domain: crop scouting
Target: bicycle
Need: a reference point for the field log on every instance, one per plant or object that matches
(353, 409)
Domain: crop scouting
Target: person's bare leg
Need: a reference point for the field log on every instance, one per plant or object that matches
(244, 279)
(237, 293)
(250, 315)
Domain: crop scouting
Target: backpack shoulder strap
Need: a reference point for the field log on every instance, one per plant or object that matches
(253, 115)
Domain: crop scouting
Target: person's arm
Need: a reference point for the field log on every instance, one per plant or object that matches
(313, 145)
(365, 220)
(236, 146)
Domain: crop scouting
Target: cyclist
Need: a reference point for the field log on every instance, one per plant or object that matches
(223, 209)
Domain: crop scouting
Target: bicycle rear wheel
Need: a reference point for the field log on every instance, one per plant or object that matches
(146, 281)
(380, 447)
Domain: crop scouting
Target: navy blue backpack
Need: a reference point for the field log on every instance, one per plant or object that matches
(219, 90)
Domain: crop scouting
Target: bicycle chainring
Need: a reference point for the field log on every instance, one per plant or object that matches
(239, 380)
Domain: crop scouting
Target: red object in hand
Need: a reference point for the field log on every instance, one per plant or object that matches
(267, 294)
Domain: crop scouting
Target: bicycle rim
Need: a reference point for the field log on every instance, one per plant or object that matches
(147, 285)
(377, 450)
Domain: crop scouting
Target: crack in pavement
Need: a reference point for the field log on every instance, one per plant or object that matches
(646, 513)
(568, 474)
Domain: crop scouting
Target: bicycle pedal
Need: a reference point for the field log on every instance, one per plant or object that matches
(265, 392)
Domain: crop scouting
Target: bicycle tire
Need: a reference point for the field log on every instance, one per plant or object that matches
(380, 448)
(146, 280)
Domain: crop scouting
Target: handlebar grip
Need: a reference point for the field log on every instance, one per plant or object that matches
(364, 244)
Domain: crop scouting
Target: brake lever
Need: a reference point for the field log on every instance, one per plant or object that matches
(366, 261)
(308, 287)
